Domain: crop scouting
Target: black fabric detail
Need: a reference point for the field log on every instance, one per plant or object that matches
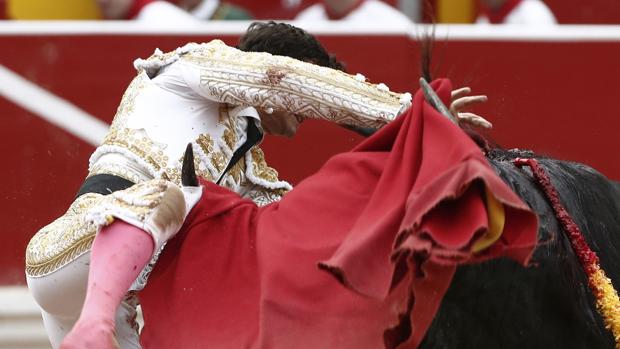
(103, 184)
(106, 184)
(254, 135)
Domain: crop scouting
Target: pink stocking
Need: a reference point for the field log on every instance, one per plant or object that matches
(118, 255)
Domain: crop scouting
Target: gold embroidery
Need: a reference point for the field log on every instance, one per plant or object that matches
(174, 173)
(263, 196)
(116, 170)
(79, 248)
(229, 138)
(71, 235)
(260, 167)
(262, 80)
(148, 194)
(138, 142)
(63, 240)
(224, 116)
(206, 143)
(135, 142)
(127, 102)
(219, 161)
(237, 172)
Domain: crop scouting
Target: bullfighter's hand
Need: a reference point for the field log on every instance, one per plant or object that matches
(461, 100)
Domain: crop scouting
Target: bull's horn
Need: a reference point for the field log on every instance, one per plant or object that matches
(188, 172)
(434, 100)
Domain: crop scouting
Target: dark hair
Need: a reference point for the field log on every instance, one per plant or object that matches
(286, 40)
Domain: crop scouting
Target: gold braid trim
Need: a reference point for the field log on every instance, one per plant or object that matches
(260, 167)
(77, 249)
(264, 196)
(63, 240)
(265, 81)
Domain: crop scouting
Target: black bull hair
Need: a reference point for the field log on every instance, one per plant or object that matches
(501, 304)
(548, 304)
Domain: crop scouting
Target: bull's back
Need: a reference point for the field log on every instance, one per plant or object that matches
(501, 304)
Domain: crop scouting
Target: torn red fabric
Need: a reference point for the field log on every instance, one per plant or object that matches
(348, 259)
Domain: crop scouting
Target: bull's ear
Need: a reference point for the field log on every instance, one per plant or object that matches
(188, 172)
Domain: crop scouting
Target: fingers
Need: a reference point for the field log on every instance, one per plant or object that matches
(458, 93)
(462, 102)
(474, 120)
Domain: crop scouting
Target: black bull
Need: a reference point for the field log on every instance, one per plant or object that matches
(501, 304)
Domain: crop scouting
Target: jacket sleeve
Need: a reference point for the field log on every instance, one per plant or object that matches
(277, 83)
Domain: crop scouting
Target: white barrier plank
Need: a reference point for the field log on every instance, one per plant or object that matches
(576, 33)
(21, 326)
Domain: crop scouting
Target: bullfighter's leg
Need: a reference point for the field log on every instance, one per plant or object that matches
(60, 296)
(121, 252)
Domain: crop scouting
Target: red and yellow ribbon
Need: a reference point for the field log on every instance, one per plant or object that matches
(607, 301)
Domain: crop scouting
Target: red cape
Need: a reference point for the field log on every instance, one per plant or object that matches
(348, 259)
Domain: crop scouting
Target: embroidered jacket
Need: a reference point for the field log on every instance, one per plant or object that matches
(206, 94)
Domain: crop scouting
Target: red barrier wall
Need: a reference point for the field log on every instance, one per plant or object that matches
(557, 97)
(585, 12)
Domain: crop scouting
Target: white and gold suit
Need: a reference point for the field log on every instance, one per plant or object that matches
(205, 94)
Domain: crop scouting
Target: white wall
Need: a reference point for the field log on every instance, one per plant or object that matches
(21, 326)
